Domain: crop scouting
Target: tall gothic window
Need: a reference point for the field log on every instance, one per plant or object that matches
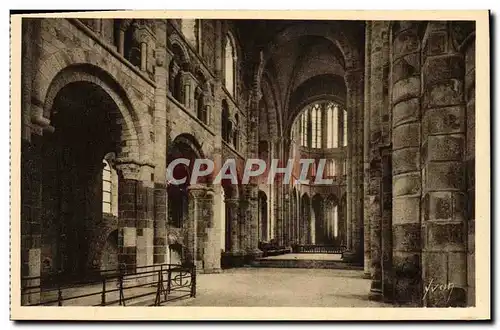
(106, 187)
(312, 130)
(303, 124)
(332, 126)
(229, 65)
(316, 126)
(226, 124)
(345, 129)
(331, 167)
(335, 222)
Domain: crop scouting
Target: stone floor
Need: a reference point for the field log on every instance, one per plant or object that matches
(286, 287)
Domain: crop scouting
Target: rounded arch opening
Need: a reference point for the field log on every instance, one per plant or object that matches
(86, 125)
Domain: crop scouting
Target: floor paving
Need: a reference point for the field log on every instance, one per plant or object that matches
(287, 287)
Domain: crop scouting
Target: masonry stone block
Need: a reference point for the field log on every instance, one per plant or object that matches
(406, 184)
(443, 94)
(406, 111)
(405, 210)
(445, 236)
(405, 89)
(406, 135)
(445, 176)
(405, 160)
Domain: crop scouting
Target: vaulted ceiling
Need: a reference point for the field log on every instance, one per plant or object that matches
(303, 60)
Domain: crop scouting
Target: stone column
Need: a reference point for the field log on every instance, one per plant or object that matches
(218, 49)
(160, 141)
(444, 259)
(470, 88)
(232, 207)
(31, 206)
(188, 85)
(252, 226)
(379, 55)
(31, 164)
(189, 228)
(406, 177)
(366, 151)
(354, 81)
(145, 198)
(121, 40)
(207, 250)
(251, 189)
(127, 216)
(144, 52)
(386, 230)
(173, 71)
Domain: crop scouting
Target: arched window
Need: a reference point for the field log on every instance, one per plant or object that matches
(225, 127)
(332, 126)
(311, 128)
(106, 188)
(335, 222)
(303, 124)
(201, 110)
(332, 170)
(132, 47)
(236, 139)
(345, 129)
(229, 65)
(316, 126)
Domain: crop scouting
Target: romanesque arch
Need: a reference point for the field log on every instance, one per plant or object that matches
(91, 116)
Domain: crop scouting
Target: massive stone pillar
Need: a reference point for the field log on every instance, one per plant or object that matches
(355, 81)
(366, 152)
(160, 141)
(145, 221)
(251, 188)
(207, 249)
(232, 212)
(406, 163)
(127, 216)
(349, 190)
(252, 228)
(470, 157)
(31, 166)
(444, 186)
(379, 57)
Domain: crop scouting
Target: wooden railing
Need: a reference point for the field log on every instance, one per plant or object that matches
(315, 248)
(151, 285)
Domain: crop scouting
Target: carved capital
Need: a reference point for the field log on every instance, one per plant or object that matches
(129, 171)
(201, 192)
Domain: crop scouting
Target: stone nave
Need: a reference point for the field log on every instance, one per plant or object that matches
(107, 104)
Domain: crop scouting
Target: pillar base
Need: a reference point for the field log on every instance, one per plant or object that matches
(211, 271)
(353, 258)
(232, 259)
(250, 256)
(367, 276)
(375, 295)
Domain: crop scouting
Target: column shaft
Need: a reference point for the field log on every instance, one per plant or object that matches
(444, 204)
(379, 58)
(406, 177)
(366, 153)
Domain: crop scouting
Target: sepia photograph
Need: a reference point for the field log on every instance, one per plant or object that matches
(218, 165)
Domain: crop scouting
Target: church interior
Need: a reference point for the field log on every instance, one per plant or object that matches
(390, 106)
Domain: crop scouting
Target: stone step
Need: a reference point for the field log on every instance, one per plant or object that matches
(319, 264)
